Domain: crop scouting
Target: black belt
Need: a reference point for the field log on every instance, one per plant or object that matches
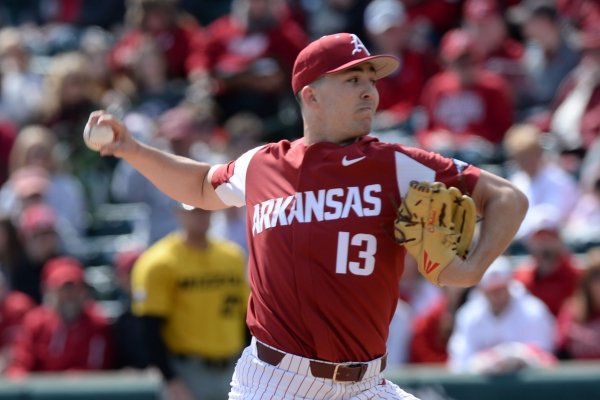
(337, 372)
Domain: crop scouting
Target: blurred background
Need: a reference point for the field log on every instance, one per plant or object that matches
(512, 86)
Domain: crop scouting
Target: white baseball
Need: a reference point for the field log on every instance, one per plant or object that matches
(97, 136)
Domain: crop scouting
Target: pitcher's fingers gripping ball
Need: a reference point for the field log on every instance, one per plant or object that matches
(435, 224)
(95, 136)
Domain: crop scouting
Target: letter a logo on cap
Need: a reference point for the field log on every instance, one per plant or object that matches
(358, 45)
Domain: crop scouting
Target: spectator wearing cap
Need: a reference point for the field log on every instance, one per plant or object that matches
(188, 273)
(182, 130)
(549, 57)
(579, 319)
(13, 307)
(551, 273)
(67, 332)
(500, 53)
(550, 189)
(131, 349)
(575, 117)
(468, 109)
(38, 231)
(498, 320)
(390, 31)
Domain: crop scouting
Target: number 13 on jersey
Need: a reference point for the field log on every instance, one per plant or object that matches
(365, 263)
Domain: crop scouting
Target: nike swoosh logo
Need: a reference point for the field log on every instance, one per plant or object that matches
(346, 162)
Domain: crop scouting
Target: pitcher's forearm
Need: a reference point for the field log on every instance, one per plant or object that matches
(179, 177)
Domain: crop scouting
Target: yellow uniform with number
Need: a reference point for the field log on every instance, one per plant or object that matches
(202, 294)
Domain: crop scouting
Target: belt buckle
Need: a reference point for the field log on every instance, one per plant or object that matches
(363, 369)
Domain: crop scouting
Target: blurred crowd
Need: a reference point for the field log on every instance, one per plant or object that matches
(510, 86)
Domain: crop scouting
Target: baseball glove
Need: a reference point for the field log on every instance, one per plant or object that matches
(435, 224)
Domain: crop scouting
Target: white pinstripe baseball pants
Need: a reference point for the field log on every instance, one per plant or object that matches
(254, 379)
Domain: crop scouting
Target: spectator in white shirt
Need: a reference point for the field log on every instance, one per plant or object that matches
(549, 188)
(501, 327)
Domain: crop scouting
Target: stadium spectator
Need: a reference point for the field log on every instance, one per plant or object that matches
(8, 134)
(549, 57)
(551, 272)
(431, 331)
(131, 350)
(582, 228)
(185, 274)
(67, 332)
(492, 332)
(434, 16)
(37, 147)
(67, 96)
(390, 32)
(534, 170)
(331, 16)
(468, 109)
(581, 14)
(38, 232)
(579, 320)
(18, 76)
(146, 82)
(13, 307)
(575, 117)
(247, 57)
(11, 248)
(171, 29)
(500, 53)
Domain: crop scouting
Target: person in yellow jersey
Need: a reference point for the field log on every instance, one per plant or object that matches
(191, 292)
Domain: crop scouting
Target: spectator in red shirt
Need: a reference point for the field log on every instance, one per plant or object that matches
(431, 331)
(551, 273)
(579, 319)
(161, 20)
(501, 53)
(468, 108)
(65, 333)
(13, 306)
(575, 119)
(248, 55)
(390, 32)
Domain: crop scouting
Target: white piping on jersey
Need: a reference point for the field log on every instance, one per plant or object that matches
(233, 192)
(408, 169)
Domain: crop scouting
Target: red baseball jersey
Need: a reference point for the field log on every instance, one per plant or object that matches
(47, 343)
(323, 265)
(482, 109)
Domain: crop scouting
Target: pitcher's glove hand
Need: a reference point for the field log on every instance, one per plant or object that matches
(435, 224)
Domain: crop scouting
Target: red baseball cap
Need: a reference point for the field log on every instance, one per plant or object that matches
(456, 43)
(335, 53)
(62, 270)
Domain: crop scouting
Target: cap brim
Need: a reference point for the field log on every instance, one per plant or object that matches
(383, 64)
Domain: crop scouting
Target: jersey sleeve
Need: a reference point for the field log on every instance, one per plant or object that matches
(420, 165)
(152, 286)
(229, 180)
